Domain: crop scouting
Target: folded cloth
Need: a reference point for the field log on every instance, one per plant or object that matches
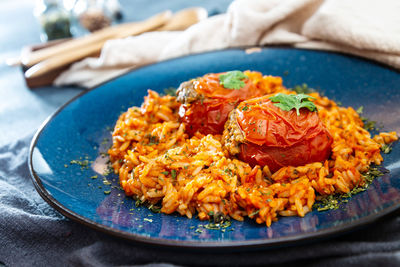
(366, 28)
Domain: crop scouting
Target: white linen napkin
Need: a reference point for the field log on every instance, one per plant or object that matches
(367, 28)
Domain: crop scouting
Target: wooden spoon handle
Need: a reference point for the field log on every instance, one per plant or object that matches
(71, 55)
(185, 18)
(181, 20)
(96, 37)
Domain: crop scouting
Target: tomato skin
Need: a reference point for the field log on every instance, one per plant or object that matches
(278, 138)
(207, 117)
(210, 87)
(209, 114)
(316, 149)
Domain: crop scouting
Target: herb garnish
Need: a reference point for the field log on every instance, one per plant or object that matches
(154, 208)
(289, 102)
(333, 202)
(232, 79)
(217, 221)
(254, 213)
(386, 148)
(303, 89)
(368, 125)
(138, 202)
(106, 182)
(84, 164)
(173, 174)
(170, 91)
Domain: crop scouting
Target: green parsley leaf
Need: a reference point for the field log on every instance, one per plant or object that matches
(254, 213)
(369, 125)
(170, 91)
(302, 89)
(289, 102)
(173, 174)
(232, 79)
(333, 202)
(386, 148)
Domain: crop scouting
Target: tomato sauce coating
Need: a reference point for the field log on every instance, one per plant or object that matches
(278, 138)
(209, 113)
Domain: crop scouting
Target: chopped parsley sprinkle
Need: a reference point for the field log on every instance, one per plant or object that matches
(333, 202)
(104, 141)
(84, 164)
(138, 203)
(106, 182)
(153, 140)
(218, 226)
(154, 208)
(386, 148)
(302, 89)
(108, 170)
(228, 171)
(165, 173)
(217, 221)
(170, 91)
(173, 174)
(254, 213)
(368, 125)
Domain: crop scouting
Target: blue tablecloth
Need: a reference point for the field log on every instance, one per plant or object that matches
(34, 234)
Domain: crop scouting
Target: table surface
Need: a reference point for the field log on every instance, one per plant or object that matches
(23, 110)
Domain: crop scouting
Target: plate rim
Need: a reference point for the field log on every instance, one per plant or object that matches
(263, 243)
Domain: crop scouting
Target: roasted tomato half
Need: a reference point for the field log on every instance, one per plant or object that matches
(206, 103)
(264, 134)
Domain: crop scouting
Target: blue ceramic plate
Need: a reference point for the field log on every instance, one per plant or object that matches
(80, 129)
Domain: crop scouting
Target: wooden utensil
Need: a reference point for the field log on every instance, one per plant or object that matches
(76, 49)
(79, 48)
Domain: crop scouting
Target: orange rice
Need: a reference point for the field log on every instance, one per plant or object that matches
(157, 162)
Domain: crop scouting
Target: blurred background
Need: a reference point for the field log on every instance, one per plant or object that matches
(27, 24)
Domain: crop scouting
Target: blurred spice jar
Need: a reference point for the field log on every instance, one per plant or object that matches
(54, 19)
(94, 15)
